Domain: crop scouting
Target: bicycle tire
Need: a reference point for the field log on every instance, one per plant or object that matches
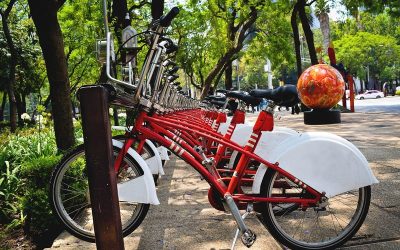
(276, 223)
(72, 163)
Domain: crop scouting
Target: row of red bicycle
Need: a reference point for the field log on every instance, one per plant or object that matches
(309, 190)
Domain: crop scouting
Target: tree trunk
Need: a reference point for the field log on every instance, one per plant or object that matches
(115, 117)
(44, 15)
(325, 29)
(232, 29)
(13, 65)
(228, 76)
(214, 72)
(218, 77)
(296, 39)
(3, 105)
(23, 103)
(19, 104)
(307, 32)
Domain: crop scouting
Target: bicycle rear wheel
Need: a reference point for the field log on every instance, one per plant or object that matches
(326, 227)
(70, 198)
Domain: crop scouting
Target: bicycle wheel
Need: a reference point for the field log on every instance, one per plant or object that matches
(70, 198)
(326, 227)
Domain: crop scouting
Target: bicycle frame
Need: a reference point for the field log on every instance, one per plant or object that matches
(188, 154)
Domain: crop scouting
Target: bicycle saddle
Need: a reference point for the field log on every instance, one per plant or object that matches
(223, 91)
(216, 98)
(283, 96)
(218, 104)
(248, 99)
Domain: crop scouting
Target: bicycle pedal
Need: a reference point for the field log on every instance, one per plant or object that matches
(248, 238)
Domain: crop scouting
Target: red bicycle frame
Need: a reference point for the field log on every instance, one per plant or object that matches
(154, 130)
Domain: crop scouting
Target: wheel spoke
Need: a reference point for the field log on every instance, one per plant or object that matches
(70, 192)
(326, 225)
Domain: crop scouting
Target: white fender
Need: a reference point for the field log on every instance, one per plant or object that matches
(163, 153)
(268, 141)
(122, 128)
(223, 127)
(326, 162)
(242, 133)
(140, 189)
(154, 162)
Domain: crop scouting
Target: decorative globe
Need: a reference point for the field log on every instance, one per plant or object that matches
(320, 87)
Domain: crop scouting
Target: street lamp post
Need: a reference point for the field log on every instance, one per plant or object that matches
(236, 64)
(367, 76)
(267, 68)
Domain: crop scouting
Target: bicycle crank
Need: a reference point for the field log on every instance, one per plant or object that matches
(248, 237)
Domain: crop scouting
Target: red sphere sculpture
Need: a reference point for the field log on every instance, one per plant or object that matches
(320, 86)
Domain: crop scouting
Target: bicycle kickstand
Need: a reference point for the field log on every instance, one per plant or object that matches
(248, 238)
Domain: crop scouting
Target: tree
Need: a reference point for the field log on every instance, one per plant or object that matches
(299, 11)
(248, 16)
(199, 47)
(296, 38)
(44, 15)
(13, 64)
(25, 62)
(301, 8)
(364, 50)
(392, 6)
(322, 11)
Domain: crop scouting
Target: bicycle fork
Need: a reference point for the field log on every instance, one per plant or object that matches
(248, 237)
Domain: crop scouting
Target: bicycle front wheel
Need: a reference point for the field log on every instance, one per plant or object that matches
(70, 198)
(325, 227)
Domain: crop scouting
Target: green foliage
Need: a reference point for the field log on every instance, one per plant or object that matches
(391, 6)
(27, 145)
(364, 49)
(26, 161)
(35, 202)
(397, 92)
(37, 171)
(81, 24)
(29, 68)
(9, 196)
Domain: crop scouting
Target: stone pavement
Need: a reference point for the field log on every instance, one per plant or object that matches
(186, 220)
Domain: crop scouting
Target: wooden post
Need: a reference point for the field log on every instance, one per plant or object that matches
(100, 169)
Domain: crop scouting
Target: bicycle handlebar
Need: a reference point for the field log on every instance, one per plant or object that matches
(166, 20)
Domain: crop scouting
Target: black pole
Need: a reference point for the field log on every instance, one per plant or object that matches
(100, 169)
(157, 8)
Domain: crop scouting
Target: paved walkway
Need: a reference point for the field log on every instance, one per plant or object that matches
(185, 219)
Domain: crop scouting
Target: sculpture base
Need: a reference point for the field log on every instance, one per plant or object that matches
(322, 116)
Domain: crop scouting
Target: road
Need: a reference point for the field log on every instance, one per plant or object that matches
(390, 104)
